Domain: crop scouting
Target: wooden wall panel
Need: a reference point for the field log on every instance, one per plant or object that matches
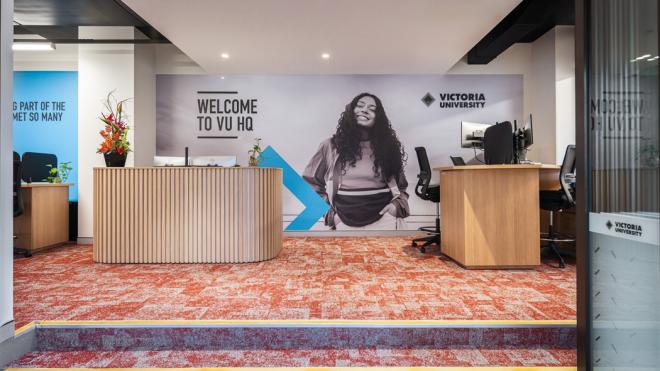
(187, 214)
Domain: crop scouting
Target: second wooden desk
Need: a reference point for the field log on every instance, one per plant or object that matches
(490, 215)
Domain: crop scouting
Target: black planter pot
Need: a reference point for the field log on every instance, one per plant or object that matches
(114, 159)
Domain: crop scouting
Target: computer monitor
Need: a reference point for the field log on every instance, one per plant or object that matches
(529, 133)
(472, 134)
(523, 138)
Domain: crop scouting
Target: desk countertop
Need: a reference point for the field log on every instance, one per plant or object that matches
(128, 168)
(492, 167)
(35, 185)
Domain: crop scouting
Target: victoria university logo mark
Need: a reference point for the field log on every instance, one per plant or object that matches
(428, 99)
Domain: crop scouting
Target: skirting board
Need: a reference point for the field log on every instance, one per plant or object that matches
(406, 233)
(7, 330)
(85, 240)
(402, 233)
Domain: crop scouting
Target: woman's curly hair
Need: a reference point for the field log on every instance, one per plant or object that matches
(389, 154)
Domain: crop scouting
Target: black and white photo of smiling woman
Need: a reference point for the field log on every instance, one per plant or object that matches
(364, 160)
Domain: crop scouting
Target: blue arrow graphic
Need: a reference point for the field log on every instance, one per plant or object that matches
(315, 206)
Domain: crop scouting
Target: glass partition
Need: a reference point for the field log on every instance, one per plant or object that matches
(623, 165)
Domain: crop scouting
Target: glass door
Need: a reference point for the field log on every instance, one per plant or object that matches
(622, 186)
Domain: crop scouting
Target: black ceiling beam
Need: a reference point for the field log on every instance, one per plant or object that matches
(92, 41)
(59, 19)
(526, 23)
(53, 32)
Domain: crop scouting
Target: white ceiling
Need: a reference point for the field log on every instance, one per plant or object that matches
(289, 36)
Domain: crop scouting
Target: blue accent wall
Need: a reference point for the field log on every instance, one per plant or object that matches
(46, 117)
(315, 206)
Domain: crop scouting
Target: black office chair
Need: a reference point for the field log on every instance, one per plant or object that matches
(557, 201)
(34, 166)
(498, 144)
(18, 200)
(428, 192)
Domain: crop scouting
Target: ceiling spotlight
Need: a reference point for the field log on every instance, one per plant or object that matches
(224, 56)
(32, 46)
(325, 55)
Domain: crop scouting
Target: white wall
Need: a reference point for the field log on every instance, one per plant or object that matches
(101, 68)
(514, 61)
(564, 90)
(6, 171)
(543, 98)
(131, 71)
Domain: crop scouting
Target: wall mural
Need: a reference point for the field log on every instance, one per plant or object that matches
(346, 142)
(46, 117)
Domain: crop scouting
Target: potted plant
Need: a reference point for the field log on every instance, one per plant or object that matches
(115, 145)
(254, 153)
(59, 174)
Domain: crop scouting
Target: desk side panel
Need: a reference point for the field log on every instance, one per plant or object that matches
(452, 214)
(49, 214)
(502, 223)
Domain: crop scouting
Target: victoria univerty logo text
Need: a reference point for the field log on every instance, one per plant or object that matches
(456, 100)
(462, 100)
(625, 228)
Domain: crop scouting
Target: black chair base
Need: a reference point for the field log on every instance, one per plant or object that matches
(20, 251)
(552, 238)
(433, 238)
(428, 240)
(552, 249)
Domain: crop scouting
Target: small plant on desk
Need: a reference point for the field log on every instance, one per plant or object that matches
(59, 175)
(254, 153)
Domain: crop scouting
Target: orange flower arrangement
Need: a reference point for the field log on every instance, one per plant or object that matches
(116, 130)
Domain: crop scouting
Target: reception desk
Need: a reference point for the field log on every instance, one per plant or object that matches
(187, 214)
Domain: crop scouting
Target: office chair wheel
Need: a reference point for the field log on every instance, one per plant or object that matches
(422, 249)
(414, 244)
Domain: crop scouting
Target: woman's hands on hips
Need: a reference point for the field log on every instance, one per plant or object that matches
(390, 208)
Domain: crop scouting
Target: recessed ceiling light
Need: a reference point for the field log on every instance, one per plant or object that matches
(325, 55)
(31, 46)
(224, 56)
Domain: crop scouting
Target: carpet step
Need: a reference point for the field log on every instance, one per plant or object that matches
(302, 358)
(299, 344)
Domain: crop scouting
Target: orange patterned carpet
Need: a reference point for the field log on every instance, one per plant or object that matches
(313, 278)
